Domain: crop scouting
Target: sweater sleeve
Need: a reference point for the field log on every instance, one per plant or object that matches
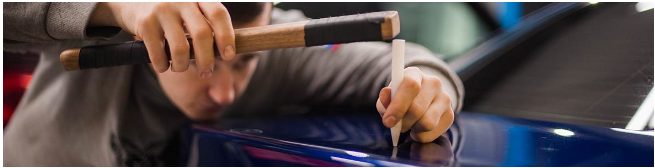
(38, 22)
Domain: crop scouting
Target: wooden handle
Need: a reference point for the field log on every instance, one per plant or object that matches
(345, 29)
(261, 38)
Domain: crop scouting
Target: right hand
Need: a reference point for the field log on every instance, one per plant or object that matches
(421, 103)
(154, 22)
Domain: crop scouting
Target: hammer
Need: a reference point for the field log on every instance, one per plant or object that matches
(376, 26)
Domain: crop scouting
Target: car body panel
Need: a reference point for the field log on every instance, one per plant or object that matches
(361, 140)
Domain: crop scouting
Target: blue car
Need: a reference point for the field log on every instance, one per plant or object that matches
(570, 84)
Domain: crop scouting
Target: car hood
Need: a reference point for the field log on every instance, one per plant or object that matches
(354, 139)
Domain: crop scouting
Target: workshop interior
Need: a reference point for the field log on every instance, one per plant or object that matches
(545, 84)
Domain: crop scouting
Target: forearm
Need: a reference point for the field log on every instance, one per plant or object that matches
(36, 22)
(25, 22)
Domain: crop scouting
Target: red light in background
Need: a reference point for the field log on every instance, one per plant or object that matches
(25, 81)
(14, 86)
(7, 111)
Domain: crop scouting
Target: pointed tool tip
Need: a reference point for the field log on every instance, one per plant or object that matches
(394, 153)
(395, 133)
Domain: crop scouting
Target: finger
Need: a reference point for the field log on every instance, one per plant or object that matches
(383, 100)
(380, 107)
(385, 96)
(177, 43)
(425, 137)
(419, 107)
(407, 91)
(440, 105)
(416, 110)
(152, 35)
(446, 120)
(427, 97)
(221, 24)
(203, 43)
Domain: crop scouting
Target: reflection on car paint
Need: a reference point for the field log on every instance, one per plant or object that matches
(362, 140)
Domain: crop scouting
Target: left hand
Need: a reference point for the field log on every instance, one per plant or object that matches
(421, 103)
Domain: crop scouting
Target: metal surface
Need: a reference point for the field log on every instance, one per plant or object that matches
(362, 140)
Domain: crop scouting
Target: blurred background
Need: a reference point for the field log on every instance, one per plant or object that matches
(580, 63)
(447, 28)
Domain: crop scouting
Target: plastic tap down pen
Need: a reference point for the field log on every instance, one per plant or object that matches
(397, 67)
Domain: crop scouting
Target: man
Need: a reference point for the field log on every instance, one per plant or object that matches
(129, 115)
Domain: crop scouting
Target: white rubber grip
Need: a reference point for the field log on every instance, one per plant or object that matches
(397, 67)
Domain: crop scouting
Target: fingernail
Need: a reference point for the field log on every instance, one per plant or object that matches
(228, 52)
(206, 74)
(390, 121)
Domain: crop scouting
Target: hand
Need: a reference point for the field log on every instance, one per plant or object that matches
(154, 22)
(421, 103)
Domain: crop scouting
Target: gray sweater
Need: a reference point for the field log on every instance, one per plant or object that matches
(121, 117)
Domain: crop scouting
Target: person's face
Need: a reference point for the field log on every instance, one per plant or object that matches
(204, 99)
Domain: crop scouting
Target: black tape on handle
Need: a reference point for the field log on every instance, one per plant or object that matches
(344, 29)
(128, 53)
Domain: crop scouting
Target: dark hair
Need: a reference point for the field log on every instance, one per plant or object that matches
(244, 12)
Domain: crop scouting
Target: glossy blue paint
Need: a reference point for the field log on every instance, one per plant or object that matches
(361, 140)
